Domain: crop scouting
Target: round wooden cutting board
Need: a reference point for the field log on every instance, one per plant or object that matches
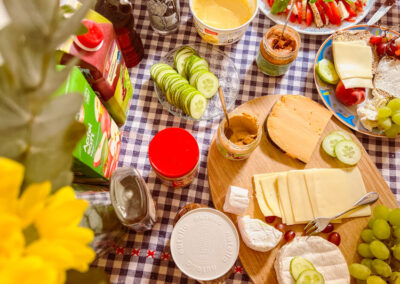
(268, 158)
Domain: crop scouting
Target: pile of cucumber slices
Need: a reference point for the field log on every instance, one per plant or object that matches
(189, 85)
(339, 144)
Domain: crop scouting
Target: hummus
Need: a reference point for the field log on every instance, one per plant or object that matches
(244, 129)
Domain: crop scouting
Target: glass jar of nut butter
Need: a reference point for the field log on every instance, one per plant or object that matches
(277, 51)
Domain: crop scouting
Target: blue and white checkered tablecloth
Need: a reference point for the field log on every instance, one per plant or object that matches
(145, 258)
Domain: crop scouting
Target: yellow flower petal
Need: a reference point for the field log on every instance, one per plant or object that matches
(29, 270)
(77, 234)
(12, 240)
(65, 215)
(52, 252)
(11, 177)
(62, 195)
(83, 255)
(32, 201)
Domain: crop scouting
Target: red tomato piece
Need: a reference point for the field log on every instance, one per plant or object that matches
(351, 96)
(375, 39)
(335, 13)
(321, 11)
(351, 12)
(309, 16)
(359, 6)
(327, 11)
(299, 11)
(293, 17)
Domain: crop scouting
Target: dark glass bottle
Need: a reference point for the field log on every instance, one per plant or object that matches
(119, 12)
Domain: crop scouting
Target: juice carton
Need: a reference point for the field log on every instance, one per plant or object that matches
(102, 64)
(96, 155)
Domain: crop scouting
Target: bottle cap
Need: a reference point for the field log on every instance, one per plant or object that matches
(93, 39)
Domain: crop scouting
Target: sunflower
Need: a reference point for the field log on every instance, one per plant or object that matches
(39, 234)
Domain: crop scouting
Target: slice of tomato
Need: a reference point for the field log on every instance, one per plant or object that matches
(335, 13)
(359, 6)
(293, 17)
(321, 11)
(350, 19)
(309, 16)
(351, 12)
(299, 11)
(327, 11)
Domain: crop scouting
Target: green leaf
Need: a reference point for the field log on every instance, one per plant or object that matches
(82, 30)
(92, 276)
(67, 9)
(279, 6)
(312, 1)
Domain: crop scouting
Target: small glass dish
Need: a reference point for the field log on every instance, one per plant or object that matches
(222, 67)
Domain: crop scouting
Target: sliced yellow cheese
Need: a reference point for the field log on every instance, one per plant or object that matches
(352, 60)
(268, 185)
(357, 83)
(332, 191)
(260, 198)
(284, 198)
(300, 200)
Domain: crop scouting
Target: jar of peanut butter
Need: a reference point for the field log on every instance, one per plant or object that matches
(245, 134)
(277, 52)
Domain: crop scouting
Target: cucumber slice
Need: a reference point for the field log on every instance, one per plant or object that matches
(175, 92)
(197, 106)
(310, 277)
(154, 69)
(200, 62)
(182, 50)
(197, 69)
(299, 264)
(181, 61)
(344, 134)
(330, 142)
(160, 76)
(185, 95)
(189, 62)
(348, 152)
(194, 76)
(207, 84)
(327, 72)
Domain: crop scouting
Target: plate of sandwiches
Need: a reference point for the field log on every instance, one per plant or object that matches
(357, 75)
(317, 17)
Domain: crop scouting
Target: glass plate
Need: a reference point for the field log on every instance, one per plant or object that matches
(222, 66)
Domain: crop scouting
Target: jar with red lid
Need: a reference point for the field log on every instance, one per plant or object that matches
(174, 156)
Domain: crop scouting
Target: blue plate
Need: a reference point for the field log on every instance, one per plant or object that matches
(347, 115)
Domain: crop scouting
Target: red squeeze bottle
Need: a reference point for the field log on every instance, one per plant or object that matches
(119, 12)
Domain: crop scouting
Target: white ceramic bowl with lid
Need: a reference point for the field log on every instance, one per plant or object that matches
(205, 244)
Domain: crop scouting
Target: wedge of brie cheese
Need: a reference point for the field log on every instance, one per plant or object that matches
(325, 256)
(236, 200)
(258, 235)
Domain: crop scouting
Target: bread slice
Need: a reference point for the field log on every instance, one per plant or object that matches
(387, 78)
(363, 35)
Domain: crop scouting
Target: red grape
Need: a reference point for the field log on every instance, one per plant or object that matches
(381, 49)
(270, 219)
(328, 229)
(391, 49)
(281, 227)
(375, 39)
(334, 238)
(289, 235)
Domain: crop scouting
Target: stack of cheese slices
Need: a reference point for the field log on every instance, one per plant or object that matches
(301, 195)
(353, 58)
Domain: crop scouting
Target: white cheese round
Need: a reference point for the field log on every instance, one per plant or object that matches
(325, 256)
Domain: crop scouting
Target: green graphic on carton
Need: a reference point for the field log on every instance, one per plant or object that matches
(93, 158)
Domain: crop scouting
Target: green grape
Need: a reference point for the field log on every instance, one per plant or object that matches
(375, 280)
(367, 235)
(395, 276)
(359, 271)
(371, 222)
(379, 250)
(384, 112)
(367, 262)
(385, 123)
(393, 131)
(394, 217)
(394, 104)
(381, 229)
(364, 250)
(396, 118)
(381, 212)
(381, 268)
(396, 232)
(396, 252)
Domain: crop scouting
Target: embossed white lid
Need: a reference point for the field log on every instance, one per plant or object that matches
(204, 244)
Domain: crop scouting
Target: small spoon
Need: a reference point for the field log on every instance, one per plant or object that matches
(227, 131)
(286, 22)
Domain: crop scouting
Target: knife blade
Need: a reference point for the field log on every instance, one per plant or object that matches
(381, 11)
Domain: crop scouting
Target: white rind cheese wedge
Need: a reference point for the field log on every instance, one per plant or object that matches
(325, 256)
(236, 200)
(258, 235)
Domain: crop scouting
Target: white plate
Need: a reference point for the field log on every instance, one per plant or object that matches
(313, 30)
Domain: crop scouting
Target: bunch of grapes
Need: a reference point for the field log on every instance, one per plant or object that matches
(380, 249)
(389, 118)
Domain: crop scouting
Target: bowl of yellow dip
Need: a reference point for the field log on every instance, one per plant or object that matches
(222, 22)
